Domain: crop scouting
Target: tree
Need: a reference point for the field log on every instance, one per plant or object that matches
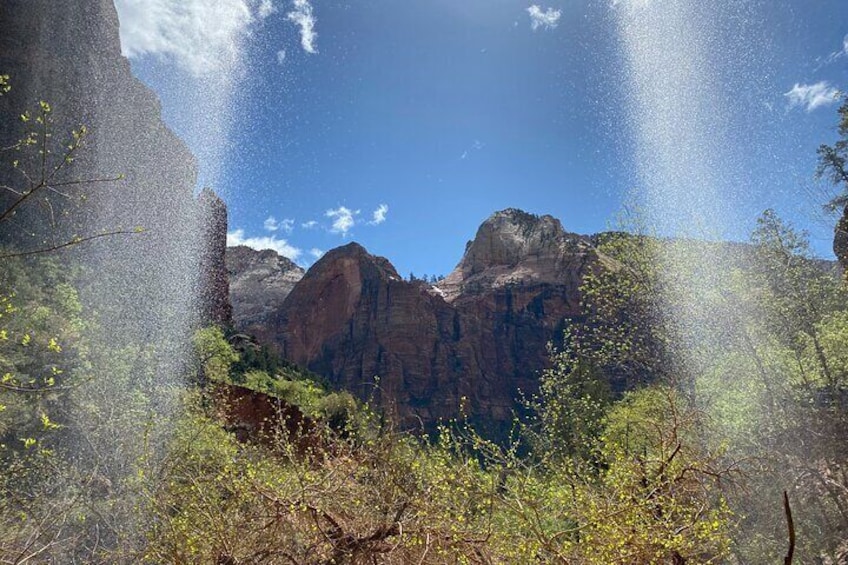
(213, 355)
(40, 176)
(65, 482)
(803, 430)
(833, 165)
(623, 330)
(570, 407)
(773, 389)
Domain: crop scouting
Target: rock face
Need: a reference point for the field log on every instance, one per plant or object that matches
(353, 318)
(514, 248)
(468, 344)
(214, 283)
(515, 288)
(257, 417)
(259, 282)
(69, 54)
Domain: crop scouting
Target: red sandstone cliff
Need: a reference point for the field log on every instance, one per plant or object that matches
(476, 338)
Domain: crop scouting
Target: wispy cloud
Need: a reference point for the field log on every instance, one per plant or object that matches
(547, 19)
(343, 219)
(315, 252)
(302, 15)
(309, 225)
(270, 224)
(200, 36)
(812, 96)
(281, 246)
(265, 9)
(476, 146)
(379, 215)
(281, 56)
(834, 56)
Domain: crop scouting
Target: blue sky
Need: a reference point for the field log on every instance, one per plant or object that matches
(403, 125)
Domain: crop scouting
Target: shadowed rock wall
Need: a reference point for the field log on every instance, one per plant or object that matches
(68, 54)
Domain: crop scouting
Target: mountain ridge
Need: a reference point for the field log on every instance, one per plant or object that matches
(470, 342)
(467, 343)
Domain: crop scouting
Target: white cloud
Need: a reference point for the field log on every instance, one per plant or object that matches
(835, 56)
(266, 8)
(309, 225)
(281, 246)
(281, 56)
(547, 19)
(270, 224)
(379, 215)
(812, 96)
(315, 252)
(200, 36)
(343, 219)
(302, 16)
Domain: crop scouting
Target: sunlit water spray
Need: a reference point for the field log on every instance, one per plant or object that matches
(681, 60)
(196, 61)
(126, 360)
(148, 293)
(144, 292)
(150, 290)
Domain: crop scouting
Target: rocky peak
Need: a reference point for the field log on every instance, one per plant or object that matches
(514, 247)
(477, 340)
(335, 287)
(510, 236)
(241, 258)
(352, 318)
(259, 283)
(354, 262)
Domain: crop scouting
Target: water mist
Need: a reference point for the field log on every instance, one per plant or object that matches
(681, 61)
(684, 62)
(141, 291)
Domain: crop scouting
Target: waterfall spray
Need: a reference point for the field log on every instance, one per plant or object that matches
(687, 175)
(126, 360)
